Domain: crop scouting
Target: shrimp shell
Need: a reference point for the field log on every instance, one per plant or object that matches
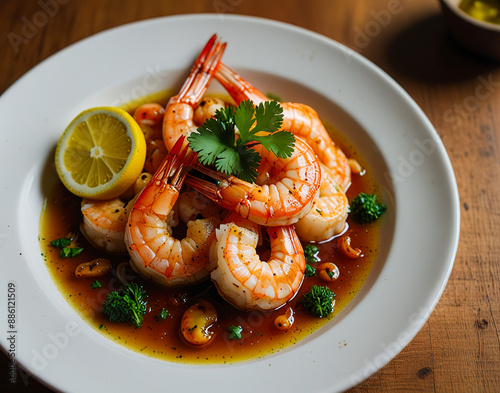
(179, 113)
(328, 214)
(104, 224)
(248, 282)
(287, 198)
(300, 119)
(154, 252)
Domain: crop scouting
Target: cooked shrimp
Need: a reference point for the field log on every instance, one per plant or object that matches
(154, 252)
(207, 108)
(179, 113)
(299, 119)
(149, 117)
(328, 213)
(192, 205)
(104, 224)
(246, 281)
(149, 114)
(294, 183)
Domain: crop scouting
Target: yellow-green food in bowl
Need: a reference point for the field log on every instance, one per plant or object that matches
(484, 10)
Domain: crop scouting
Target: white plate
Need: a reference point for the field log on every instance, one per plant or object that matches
(420, 229)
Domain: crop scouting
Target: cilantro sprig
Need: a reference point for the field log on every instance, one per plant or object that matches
(227, 139)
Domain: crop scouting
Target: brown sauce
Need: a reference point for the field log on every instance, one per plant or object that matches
(160, 338)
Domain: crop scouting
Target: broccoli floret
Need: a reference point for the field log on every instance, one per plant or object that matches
(365, 208)
(319, 301)
(128, 305)
(311, 253)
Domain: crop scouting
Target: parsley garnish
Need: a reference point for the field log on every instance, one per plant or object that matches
(216, 141)
(310, 271)
(366, 208)
(234, 332)
(61, 243)
(162, 315)
(311, 253)
(96, 284)
(128, 305)
(65, 251)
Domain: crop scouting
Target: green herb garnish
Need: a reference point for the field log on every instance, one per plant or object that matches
(311, 253)
(319, 301)
(96, 284)
(216, 141)
(234, 332)
(273, 97)
(128, 305)
(61, 243)
(365, 208)
(310, 271)
(67, 252)
(162, 315)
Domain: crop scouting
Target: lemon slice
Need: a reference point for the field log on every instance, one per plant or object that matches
(101, 153)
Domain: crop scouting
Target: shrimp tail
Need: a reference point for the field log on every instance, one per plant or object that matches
(202, 73)
(179, 112)
(239, 89)
(176, 165)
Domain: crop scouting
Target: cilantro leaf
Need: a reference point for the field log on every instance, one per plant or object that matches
(280, 143)
(249, 163)
(215, 137)
(216, 142)
(269, 116)
(244, 120)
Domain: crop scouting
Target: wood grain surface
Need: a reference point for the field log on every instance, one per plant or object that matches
(458, 349)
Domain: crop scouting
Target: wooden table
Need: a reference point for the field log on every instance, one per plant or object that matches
(458, 349)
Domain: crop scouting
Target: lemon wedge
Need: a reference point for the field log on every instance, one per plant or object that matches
(101, 153)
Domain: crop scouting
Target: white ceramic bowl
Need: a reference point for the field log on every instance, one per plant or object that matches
(480, 37)
(419, 235)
